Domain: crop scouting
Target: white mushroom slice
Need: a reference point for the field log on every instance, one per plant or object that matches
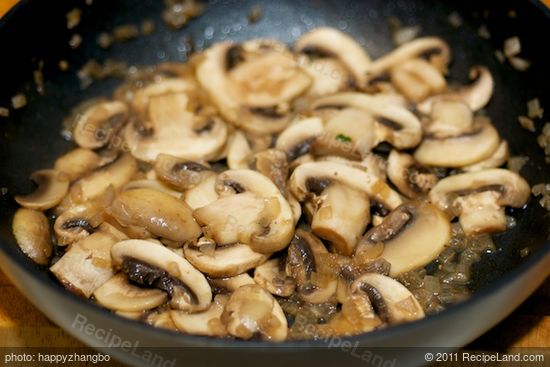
(450, 118)
(175, 131)
(330, 42)
(251, 310)
(476, 95)
(224, 261)
(230, 284)
(251, 92)
(81, 220)
(479, 197)
(296, 139)
(394, 303)
(116, 174)
(417, 79)
(202, 323)
(87, 264)
(328, 75)
(272, 277)
(203, 194)
(410, 177)
(143, 96)
(77, 162)
(309, 176)
(349, 133)
(161, 319)
(180, 173)
(461, 150)
(118, 294)
(371, 163)
(52, 187)
(341, 217)
(159, 213)
(268, 223)
(413, 49)
(306, 263)
(413, 235)
(153, 185)
(497, 159)
(394, 124)
(95, 127)
(239, 151)
(31, 230)
(295, 207)
(154, 265)
(236, 218)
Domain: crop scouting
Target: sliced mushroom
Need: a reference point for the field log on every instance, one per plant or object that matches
(118, 294)
(202, 323)
(497, 159)
(152, 184)
(238, 152)
(413, 235)
(393, 123)
(476, 95)
(417, 79)
(203, 194)
(349, 133)
(116, 174)
(224, 261)
(479, 198)
(52, 187)
(305, 264)
(77, 162)
(461, 150)
(393, 302)
(251, 83)
(95, 126)
(81, 220)
(341, 217)
(316, 176)
(250, 311)
(410, 177)
(161, 318)
(272, 277)
(251, 210)
(31, 230)
(273, 164)
(160, 213)
(296, 140)
(330, 42)
(434, 48)
(230, 284)
(450, 118)
(176, 131)
(150, 264)
(180, 173)
(87, 264)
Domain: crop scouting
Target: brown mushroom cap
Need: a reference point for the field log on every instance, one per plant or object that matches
(251, 310)
(52, 187)
(31, 230)
(160, 213)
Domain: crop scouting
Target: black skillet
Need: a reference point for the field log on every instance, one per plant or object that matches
(35, 31)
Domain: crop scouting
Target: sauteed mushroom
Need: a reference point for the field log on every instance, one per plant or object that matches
(32, 233)
(52, 187)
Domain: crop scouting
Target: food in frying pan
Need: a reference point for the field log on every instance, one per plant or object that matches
(258, 191)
